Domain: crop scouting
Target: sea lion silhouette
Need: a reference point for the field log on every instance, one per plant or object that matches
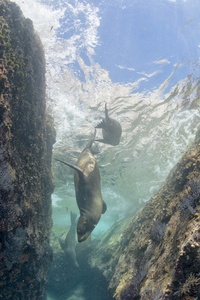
(69, 244)
(111, 130)
(88, 192)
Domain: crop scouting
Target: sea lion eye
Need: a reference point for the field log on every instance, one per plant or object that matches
(81, 230)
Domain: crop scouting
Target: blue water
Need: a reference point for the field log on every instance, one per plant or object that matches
(142, 59)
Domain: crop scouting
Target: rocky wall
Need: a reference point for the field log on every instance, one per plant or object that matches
(157, 256)
(26, 139)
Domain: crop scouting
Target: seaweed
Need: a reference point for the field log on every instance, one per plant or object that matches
(190, 199)
(191, 283)
(158, 231)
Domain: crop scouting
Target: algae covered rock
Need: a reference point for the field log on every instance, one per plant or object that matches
(106, 254)
(157, 256)
(25, 159)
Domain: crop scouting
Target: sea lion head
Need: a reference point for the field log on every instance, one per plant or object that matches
(84, 228)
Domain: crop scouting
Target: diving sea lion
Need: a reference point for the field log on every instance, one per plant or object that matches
(88, 192)
(69, 244)
(111, 130)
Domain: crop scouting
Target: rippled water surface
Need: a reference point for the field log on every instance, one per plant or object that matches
(142, 59)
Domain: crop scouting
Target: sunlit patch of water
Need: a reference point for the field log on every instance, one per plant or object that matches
(158, 124)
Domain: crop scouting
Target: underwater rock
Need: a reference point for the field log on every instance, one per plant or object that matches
(108, 249)
(26, 139)
(157, 255)
(12, 246)
(62, 275)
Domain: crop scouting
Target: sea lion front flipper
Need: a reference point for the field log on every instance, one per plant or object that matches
(80, 172)
(104, 207)
(100, 140)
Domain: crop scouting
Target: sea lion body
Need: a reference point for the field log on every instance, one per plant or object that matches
(88, 192)
(111, 130)
(69, 244)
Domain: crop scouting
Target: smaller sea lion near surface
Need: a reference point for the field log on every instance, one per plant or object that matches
(88, 192)
(69, 244)
(111, 130)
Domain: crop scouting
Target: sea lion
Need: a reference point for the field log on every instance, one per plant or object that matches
(111, 130)
(88, 192)
(69, 244)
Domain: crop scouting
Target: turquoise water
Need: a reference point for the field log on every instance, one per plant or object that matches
(142, 59)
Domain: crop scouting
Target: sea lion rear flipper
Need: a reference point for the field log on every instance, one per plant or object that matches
(80, 172)
(102, 124)
(106, 113)
(104, 207)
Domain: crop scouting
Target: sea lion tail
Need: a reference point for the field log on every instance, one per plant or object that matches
(73, 218)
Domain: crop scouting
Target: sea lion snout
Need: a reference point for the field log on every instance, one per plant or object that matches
(84, 228)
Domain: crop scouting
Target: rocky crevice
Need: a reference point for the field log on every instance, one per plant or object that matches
(157, 255)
